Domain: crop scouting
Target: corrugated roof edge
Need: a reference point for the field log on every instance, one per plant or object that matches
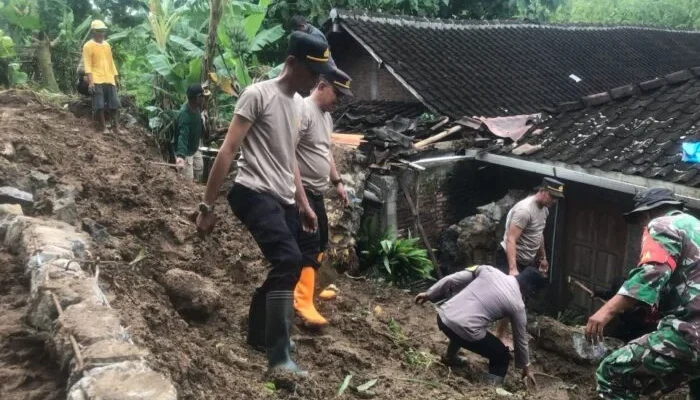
(437, 23)
(625, 91)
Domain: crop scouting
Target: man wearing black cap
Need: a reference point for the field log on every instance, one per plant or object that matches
(189, 133)
(523, 241)
(317, 168)
(667, 276)
(265, 126)
(476, 297)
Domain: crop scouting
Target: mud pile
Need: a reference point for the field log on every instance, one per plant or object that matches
(112, 187)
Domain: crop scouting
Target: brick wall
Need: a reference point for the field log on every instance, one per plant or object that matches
(352, 58)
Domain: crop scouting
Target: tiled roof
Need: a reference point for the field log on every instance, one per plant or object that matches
(478, 68)
(634, 130)
(361, 116)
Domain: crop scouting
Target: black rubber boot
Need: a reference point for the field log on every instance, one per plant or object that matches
(452, 358)
(256, 321)
(280, 314)
(494, 380)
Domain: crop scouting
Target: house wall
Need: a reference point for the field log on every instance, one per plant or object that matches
(447, 192)
(369, 82)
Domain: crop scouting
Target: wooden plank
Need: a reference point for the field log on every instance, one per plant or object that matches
(437, 137)
(440, 124)
(421, 231)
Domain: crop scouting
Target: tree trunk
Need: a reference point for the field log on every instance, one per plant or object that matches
(216, 9)
(44, 65)
(569, 341)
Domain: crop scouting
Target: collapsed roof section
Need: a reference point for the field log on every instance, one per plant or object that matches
(634, 130)
(495, 68)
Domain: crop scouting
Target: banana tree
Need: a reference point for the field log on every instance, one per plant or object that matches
(46, 26)
(240, 37)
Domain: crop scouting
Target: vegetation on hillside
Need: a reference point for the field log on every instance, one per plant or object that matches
(162, 46)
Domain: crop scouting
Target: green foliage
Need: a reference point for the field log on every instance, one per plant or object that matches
(7, 46)
(572, 317)
(681, 14)
(401, 262)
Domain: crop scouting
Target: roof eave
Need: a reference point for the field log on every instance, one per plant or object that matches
(615, 181)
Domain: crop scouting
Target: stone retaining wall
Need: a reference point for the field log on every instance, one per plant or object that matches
(112, 366)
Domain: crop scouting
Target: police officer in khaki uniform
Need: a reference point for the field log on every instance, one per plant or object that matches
(317, 168)
(265, 126)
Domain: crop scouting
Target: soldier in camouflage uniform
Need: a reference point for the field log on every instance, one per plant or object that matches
(668, 275)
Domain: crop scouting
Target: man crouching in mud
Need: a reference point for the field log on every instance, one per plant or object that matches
(478, 296)
(265, 127)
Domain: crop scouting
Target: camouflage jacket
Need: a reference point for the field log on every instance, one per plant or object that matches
(668, 273)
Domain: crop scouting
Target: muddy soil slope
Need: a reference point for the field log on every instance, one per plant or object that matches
(134, 207)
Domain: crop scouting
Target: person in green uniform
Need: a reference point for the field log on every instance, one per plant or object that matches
(189, 133)
(667, 276)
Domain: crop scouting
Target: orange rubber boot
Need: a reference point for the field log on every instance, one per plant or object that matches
(304, 299)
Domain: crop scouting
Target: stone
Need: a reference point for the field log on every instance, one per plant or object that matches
(68, 191)
(89, 324)
(111, 351)
(40, 180)
(53, 239)
(8, 150)
(10, 210)
(65, 209)
(569, 341)
(31, 153)
(10, 195)
(123, 381)
(96, 231)
(192, 295)
(69, 289)
(129, 120)
(477, 240)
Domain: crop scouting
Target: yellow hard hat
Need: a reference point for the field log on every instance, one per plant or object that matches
(98, 25)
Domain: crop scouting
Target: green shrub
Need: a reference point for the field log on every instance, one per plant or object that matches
(401, 262)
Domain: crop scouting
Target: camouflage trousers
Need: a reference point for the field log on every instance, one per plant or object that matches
(659, 361)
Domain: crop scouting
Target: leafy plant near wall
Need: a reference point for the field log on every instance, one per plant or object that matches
(399, 261)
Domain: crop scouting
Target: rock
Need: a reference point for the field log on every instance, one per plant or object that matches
(128, 120)
(89, 324)
(32, 154)
(111, 351)
(10, 195)
(96, 231)
(569, 341)
(123, 381)
(69, 289)
(8, 150)
(474, 239)
(477, 240)
(10, 210)
(68, 191)
(65, 209)
(192, 295)
(40, 180)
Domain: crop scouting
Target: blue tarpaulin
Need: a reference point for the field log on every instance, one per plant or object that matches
(691, 152)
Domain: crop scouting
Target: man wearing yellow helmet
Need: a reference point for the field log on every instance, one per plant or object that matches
(102, 76)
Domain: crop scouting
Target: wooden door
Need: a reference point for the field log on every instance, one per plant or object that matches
(596, 235)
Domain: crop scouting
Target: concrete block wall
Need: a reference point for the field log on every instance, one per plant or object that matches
(113, 367)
